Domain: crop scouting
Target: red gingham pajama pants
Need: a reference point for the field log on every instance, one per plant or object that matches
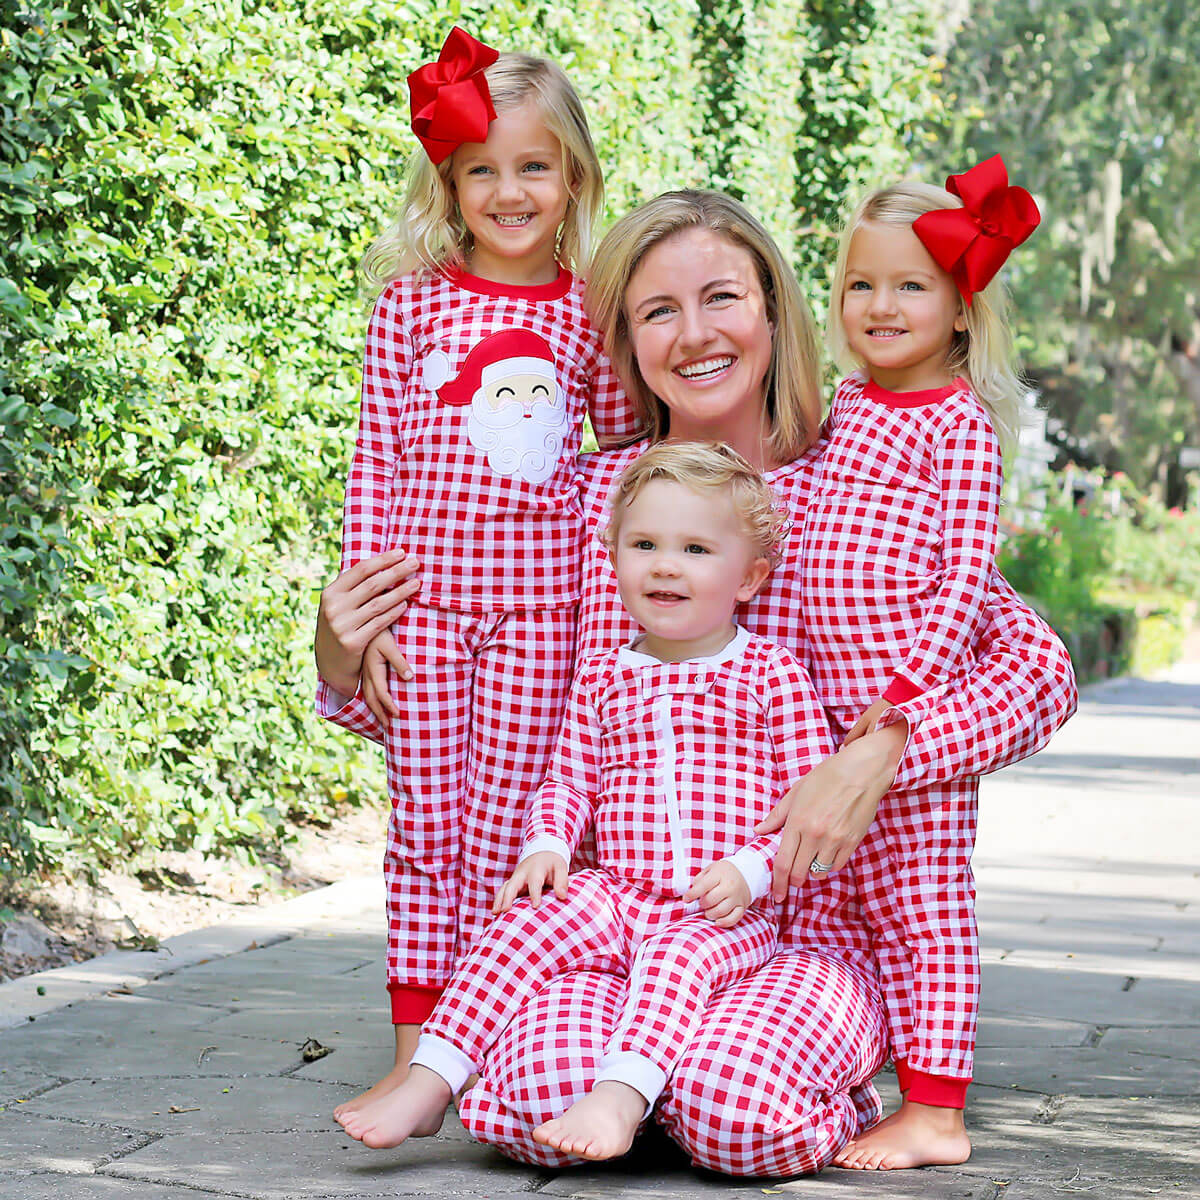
(917, 892)
(774, 1082)
(672, 962)
(476, 727)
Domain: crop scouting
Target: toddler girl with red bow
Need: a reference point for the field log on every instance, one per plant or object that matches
(899, 547)
(479, 366)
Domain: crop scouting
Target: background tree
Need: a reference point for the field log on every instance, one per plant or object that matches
(1094, 105)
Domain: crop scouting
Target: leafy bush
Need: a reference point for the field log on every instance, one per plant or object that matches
(187, 187)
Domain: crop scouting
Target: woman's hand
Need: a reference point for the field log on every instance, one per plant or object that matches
(359, 604)
(533, 875)
(723, 893)
(866, 722)
(829, 811)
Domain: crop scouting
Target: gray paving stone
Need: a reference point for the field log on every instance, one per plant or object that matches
(1088, 1183)
(331, 1026)
(999, 1030)
(29, 1143)
(1085, 1144)
(1169, 1043)
(1142, 965)
(358, 1066)
(94, 1187)
(19, 1082)
(118, 1017)
(200, 1105)
(1086, 1071)
(613, 1184)
(271, 990)
(1094, 998)
(181, 1054)
(291, 1165)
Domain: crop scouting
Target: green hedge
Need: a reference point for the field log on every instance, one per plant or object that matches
(186, 189)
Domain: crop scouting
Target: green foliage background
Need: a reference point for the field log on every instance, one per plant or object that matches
(185, 189)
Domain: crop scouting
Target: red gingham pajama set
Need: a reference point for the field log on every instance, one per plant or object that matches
(778, 1076)
(671, 764)
(473, 399)
(897, 559)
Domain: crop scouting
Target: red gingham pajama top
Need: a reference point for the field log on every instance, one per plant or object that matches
(458, 371)
(672, 764)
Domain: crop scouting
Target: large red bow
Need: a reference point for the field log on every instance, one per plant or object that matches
(449, 99)
(972, 242)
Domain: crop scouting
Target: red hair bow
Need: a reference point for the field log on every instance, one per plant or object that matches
(449, 99)
(972, 242)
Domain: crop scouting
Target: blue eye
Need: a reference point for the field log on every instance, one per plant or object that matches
(860, 285)
(911, 286)
(537, 166)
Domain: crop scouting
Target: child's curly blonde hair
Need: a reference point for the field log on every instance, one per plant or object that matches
(706, 467)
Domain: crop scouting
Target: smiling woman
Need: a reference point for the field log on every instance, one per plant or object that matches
(704, 343)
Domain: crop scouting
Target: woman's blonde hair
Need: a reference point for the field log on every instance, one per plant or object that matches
(705, 467)
(983, 352)
(793, 391)
(430, 233)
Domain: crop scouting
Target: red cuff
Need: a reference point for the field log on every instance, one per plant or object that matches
(901, 690)
(922, 1088)
(412, 1002)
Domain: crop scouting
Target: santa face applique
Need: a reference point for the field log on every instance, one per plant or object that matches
(518, 416)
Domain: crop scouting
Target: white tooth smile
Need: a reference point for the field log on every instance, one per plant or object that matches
(513, 219)
(884, 333)
(710, 366)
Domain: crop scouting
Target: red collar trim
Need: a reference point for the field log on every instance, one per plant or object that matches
(873, 391)
(556, 289)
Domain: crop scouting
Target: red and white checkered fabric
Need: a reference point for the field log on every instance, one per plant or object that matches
(774, 1083)
(673, 963)
(673, 763)
(477, 724)
(917, 892)
(487, 541)
(899, 541)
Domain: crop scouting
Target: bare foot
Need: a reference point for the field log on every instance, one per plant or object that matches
(916, 1135)
(414, 1109)
(601, 1125)
(406, 1043)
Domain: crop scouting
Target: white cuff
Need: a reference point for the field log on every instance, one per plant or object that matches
(754, 871)
(546, 841)
(635, 1071)
(443, 1058)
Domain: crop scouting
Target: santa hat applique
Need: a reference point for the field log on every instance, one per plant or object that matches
(513, 352)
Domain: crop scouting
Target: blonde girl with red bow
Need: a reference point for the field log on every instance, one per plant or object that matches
(898, 556)
(480, 365)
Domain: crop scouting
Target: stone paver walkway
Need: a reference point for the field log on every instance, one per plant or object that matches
(180, 1075)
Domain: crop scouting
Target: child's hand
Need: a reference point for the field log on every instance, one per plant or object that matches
(866, 723)
(532, 876)
(381, 652)
(723, 893)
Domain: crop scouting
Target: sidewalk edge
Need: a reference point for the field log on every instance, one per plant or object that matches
(32, 996)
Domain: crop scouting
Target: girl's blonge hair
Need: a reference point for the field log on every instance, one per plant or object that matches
(793, 393)
(706, 467)
(430, 233)
(983, 352)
